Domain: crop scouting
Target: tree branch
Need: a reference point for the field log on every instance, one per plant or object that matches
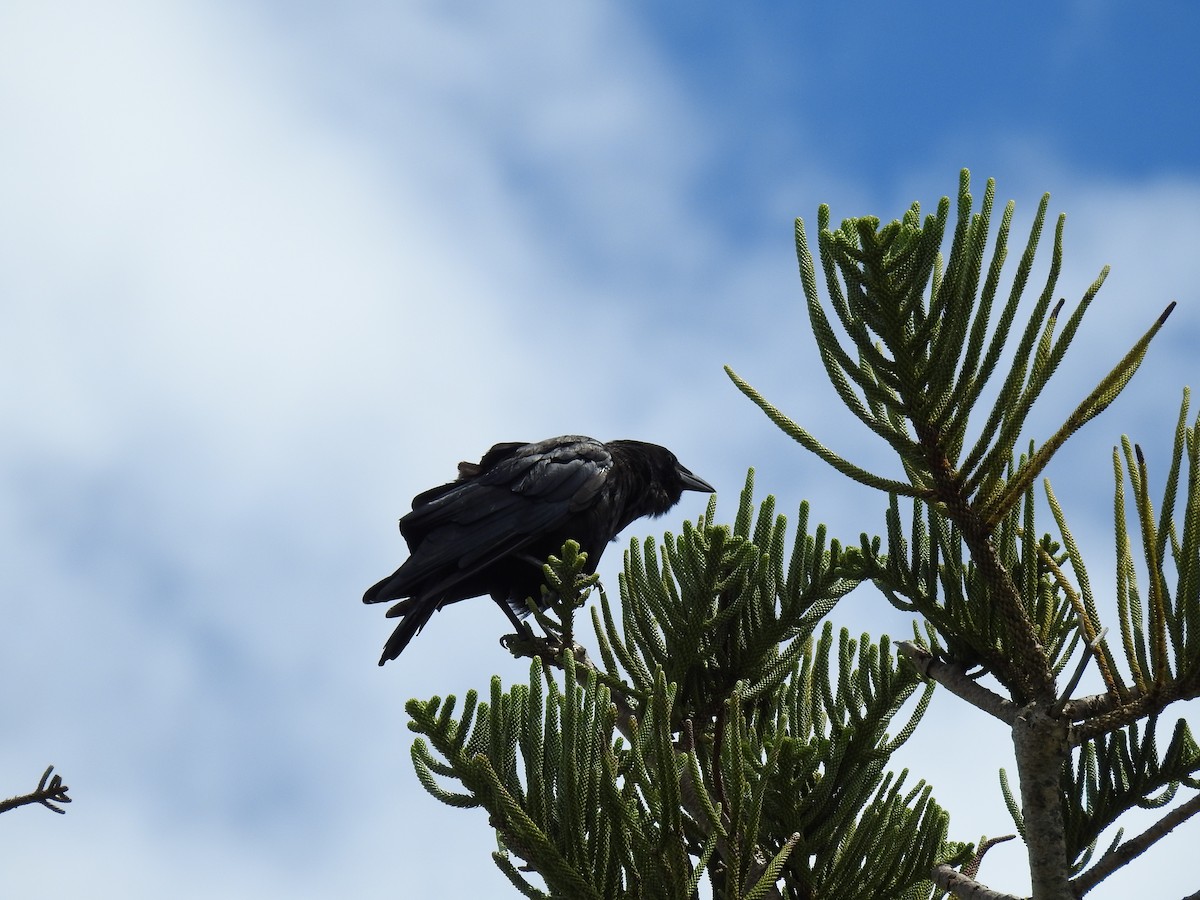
(1135, 847)
(1028, 674)
(954, 680)
(950, 879)
(1094, 705)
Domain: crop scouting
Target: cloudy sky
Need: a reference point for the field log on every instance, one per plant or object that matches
(269, 269)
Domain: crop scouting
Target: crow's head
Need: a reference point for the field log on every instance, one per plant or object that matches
(656, 478)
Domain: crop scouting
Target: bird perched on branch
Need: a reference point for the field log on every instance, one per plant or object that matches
(491, 530)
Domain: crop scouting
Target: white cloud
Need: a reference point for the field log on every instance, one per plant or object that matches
(229, 323)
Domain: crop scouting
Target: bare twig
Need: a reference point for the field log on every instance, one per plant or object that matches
(50, 791)
(971, 869)
(1092, 649)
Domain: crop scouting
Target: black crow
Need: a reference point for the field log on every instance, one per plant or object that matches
(490, 531)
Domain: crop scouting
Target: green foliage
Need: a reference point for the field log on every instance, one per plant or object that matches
(912, 352)
(1117, 772)
(750, 748)
(927, 570)
(922, 355)
(1161, 632)
(717, 605)
(728, 733)
(830, 747)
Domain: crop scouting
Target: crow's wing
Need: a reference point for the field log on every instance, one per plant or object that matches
(466, 471)
(441, 505)
(522, 493)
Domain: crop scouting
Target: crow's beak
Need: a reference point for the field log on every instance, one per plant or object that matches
(694, 483)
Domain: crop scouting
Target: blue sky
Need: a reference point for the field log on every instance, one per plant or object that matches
(268, 270)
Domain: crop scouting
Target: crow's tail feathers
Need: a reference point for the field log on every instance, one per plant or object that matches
(415, 611)
(382, 591)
